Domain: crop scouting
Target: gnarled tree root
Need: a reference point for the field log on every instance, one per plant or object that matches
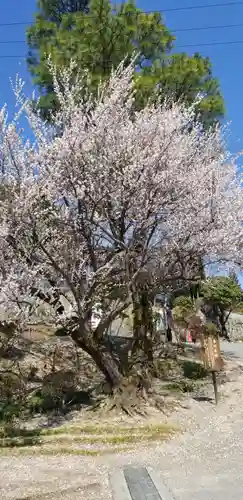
(134, 397)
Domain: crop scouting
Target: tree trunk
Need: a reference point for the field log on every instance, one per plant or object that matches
(222, 322)
(142, 326)
(142, 345)
(103, 359)
(169, 334)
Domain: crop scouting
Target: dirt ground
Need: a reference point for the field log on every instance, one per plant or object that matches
(74, 453)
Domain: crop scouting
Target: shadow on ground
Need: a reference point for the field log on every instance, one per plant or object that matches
(203, 399)
(12, 437)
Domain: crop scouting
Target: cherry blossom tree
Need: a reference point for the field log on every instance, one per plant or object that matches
(104, 198)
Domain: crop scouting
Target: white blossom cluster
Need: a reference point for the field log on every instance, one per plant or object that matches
(114, 190)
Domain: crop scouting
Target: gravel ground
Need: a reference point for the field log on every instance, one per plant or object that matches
(203, 463)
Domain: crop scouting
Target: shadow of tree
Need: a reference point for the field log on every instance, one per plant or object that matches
(203, 399)
(12, 436)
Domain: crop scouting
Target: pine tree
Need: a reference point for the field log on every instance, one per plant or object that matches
(53, 10)
(100, 38)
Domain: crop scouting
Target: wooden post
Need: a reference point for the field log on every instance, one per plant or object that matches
(215, 387)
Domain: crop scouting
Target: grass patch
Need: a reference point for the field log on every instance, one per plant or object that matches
(23, 451)
(92, 440)
(76, 430)
(69, 436)
(179, 387)
(113, 440)
(102, 429)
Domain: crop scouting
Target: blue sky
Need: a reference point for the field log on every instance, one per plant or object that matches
(226, 59)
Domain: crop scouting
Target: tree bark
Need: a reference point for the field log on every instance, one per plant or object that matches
(222, 321)
(103, 359)
(142, 326)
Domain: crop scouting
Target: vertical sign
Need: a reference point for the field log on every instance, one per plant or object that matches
(211, 357)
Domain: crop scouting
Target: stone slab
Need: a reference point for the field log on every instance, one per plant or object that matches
(138, 483)
(119, 486)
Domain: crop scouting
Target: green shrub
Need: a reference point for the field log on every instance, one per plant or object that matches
(182, 307)
(210, 329)
(11, 386)
(10, 410)
(183, 302)
(194, 370)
